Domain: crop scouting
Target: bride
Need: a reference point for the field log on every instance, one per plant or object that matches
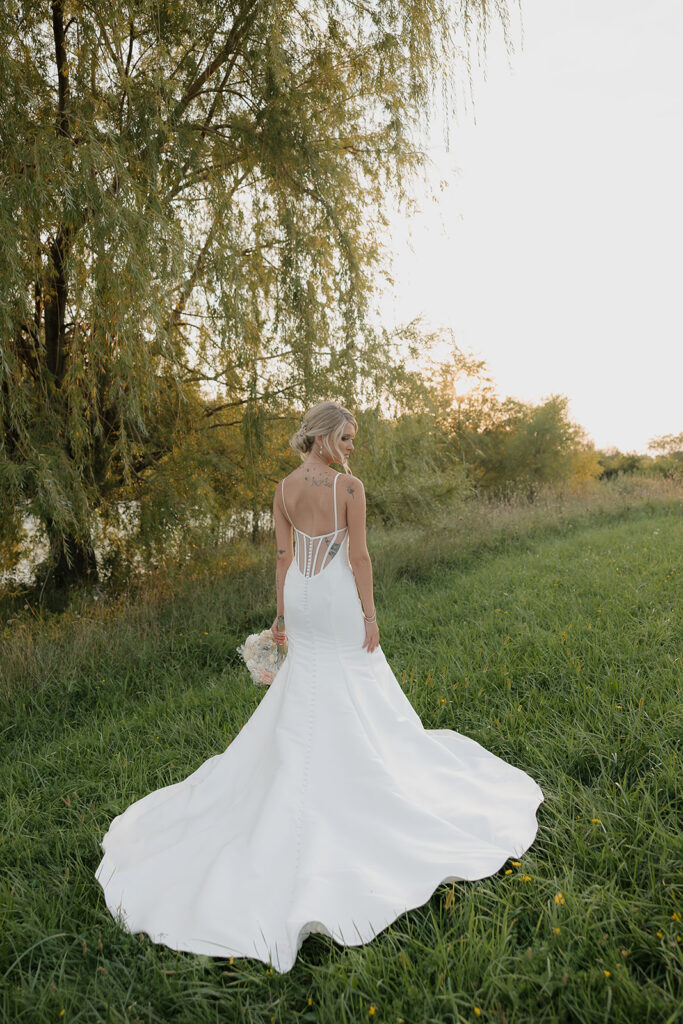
(333, 810)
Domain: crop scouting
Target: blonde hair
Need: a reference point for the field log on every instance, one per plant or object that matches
(327, 420)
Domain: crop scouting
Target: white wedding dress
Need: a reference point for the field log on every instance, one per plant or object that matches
(333, 810)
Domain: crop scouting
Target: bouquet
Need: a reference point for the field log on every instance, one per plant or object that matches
(262, 657)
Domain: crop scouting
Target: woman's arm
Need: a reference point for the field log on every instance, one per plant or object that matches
(359, 556)
(285, 549)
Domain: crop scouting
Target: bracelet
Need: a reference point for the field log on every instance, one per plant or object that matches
(372, 617)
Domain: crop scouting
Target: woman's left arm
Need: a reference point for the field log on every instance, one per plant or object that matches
(285, 555)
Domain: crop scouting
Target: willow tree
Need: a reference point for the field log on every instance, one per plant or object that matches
(191, 197)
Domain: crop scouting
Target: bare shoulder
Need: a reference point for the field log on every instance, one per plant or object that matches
(294, 475)
(353, 487)
(278, 488)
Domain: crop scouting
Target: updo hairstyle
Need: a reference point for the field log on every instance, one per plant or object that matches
(327, 420)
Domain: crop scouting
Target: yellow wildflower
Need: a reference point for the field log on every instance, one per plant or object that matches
(676, 916)
(310, 1001)
(596, 821)
(515, 863)
(232, 959)
(660, 935)
(508, 871)
(608, 974)
(477, 1011)
(526, 878)
(371, 1011)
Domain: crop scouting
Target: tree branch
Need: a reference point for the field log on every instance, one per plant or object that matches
(228, 52)
(251, 398)
(59, 34)
(188, 285)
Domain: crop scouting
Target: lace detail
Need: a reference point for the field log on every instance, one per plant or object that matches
(312, 554)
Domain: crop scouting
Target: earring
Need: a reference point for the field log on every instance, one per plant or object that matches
(320, 449)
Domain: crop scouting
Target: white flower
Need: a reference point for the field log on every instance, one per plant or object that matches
(260, 653)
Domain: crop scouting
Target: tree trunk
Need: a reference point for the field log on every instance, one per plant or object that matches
(74, 562)
(56, 285)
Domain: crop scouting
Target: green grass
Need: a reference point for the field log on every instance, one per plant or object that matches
(556, 644)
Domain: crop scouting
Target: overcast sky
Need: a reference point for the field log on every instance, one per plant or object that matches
(555, 251)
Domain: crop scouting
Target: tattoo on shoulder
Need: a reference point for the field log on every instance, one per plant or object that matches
(351, 491)
(280, 551)
(320, 481)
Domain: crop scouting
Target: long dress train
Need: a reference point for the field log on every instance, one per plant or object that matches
(333, 810)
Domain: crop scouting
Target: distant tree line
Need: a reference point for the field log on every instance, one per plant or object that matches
(665, 458)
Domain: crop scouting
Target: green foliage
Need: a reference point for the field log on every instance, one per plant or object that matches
(613, 463)
(408, 467)
(668, 444)
(513, 445)
(191, 211)
(667, 460)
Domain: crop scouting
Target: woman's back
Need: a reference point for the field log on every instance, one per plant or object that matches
(317, 512)
(310, 500)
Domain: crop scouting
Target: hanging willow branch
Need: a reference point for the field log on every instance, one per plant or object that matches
(167, 164)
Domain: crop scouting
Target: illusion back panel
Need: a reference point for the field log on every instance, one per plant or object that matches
(312, 554)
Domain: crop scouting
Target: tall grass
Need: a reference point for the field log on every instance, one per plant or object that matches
(551, 634)
(233, 584)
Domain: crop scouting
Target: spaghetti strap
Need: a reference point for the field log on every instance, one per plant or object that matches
(284, 504)
(334, 498)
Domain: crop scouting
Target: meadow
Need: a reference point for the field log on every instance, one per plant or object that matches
(551, 633)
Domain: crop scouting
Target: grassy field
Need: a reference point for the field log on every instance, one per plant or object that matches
(554, 640)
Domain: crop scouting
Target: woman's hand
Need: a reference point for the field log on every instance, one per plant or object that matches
(279, 636)
(371, 641)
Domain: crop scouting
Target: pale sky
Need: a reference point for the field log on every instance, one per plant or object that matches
(555, 251)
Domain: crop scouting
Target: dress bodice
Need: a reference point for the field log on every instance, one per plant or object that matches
(313, 554)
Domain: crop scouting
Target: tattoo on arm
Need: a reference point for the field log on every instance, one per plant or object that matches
(280, 551)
